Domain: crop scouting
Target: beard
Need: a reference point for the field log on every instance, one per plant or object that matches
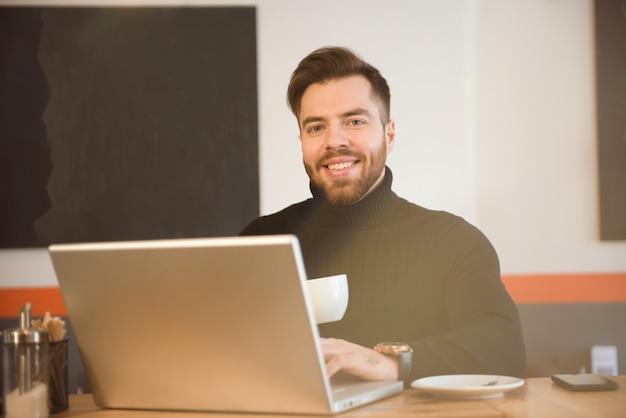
(348, 191)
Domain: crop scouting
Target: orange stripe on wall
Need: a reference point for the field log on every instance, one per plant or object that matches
(524, 289)
(42, 299)
(567, 288)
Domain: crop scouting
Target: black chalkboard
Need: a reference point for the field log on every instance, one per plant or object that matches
(610, 30)
(122, 123)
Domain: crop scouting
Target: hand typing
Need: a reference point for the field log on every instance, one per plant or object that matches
(359, 361)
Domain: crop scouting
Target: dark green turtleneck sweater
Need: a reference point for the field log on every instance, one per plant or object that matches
(424, 277)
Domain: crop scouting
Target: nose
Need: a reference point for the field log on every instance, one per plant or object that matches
(336, 137)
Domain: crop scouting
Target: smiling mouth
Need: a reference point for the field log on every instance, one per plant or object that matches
(340, 166)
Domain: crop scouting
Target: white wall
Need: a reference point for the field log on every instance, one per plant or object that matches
(536, 124)
(494, 109)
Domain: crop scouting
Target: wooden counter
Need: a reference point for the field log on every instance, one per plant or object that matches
(539, 397)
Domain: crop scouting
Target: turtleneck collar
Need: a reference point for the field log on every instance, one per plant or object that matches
(369, 211)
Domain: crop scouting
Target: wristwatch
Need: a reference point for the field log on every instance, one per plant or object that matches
(401, 350)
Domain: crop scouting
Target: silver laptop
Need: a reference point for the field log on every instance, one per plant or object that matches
(203, 324)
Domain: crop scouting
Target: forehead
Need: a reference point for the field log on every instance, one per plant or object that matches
(337, 96)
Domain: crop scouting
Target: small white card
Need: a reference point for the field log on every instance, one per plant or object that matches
(604, 360)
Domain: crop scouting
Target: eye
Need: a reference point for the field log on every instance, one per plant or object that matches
(314, 129)
(356, 122)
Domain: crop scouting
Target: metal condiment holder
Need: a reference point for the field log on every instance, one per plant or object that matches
(26, 357)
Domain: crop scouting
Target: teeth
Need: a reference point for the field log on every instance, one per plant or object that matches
(340, 166)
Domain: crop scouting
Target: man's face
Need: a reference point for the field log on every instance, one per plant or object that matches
(344, 142)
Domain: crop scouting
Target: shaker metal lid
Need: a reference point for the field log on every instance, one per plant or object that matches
(17, 336)
(25, 334)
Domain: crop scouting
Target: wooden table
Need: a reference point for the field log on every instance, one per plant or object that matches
(539, 397)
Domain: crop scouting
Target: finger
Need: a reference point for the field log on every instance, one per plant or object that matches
(333, 347)
(333, 365)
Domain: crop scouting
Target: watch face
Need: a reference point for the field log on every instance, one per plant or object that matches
(393, 348)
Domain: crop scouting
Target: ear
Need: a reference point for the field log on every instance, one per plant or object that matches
(390, 135)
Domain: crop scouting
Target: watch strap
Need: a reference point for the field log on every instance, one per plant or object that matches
(405, 360)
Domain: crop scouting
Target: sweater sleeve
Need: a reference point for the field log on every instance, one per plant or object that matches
(485, 335)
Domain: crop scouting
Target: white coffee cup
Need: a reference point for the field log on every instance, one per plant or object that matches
(329, 296)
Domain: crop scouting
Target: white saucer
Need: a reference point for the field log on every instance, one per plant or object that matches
(467, 386)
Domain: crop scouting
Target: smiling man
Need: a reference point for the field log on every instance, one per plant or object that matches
(426, 281)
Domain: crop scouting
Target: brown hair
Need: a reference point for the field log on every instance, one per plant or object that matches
(330, 63)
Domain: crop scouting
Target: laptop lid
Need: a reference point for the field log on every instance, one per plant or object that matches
(219, 324)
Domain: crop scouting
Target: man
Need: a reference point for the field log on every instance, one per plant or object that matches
(426, 278)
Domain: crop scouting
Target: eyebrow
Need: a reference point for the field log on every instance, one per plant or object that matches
(354, 112)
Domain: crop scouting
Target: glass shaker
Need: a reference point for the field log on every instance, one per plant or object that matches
(26, 370)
